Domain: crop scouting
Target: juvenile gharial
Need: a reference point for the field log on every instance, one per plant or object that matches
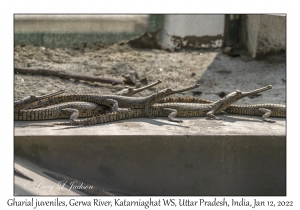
(264, 110)
(86, 109)
(48, 100)
(51, 112)
(169, 109)
(34, 108)
(113, 101)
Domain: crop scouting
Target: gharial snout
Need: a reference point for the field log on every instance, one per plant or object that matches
(245, 94)
(185, 89)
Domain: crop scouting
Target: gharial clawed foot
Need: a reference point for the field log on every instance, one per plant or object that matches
(172, 115)
(176, 120)
(214, 118)
(211, 116)
(25, 102)
(266, 116)
(270, 121)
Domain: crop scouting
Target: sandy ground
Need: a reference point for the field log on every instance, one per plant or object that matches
(216, 72)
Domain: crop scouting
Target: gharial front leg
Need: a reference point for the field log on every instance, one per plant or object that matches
(75, 112)
(210, 115)
(113, 104)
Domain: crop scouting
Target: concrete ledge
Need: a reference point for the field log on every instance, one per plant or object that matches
(236, 156)
(199, 126)
(70, 39)
(79, 23)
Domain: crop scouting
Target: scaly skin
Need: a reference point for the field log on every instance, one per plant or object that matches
(91, 109)
(27, 101)
(45, 110)
(54, 110)
(86, 109)
(115, 101)
(264, 110)
(36, 111)
(127, 91)
(185, 100)
(169, 109)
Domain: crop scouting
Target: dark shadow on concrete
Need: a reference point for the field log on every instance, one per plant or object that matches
(158, 123)
(233, 118)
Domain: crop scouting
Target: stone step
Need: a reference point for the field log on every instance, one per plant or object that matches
(240, 155)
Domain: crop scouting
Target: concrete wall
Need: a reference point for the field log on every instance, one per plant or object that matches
(263, 34)
(193, 26)
(194, 31)
(271, 34)
(66, 30)
(80, 23)
(165, 164)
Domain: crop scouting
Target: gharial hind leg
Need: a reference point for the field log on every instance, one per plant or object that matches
(210, 115)
(267, 114)
(172, 114)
